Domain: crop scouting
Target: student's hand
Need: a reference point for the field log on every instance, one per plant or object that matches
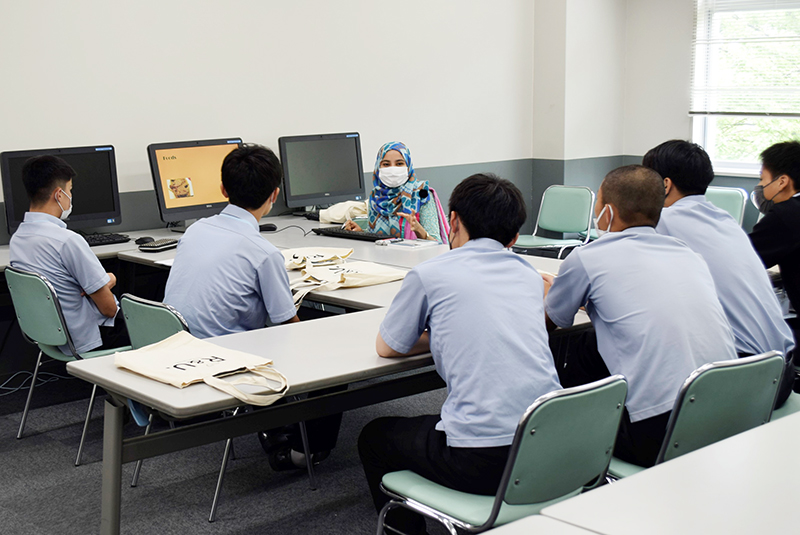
(351, 225)
(418, 229)
(548, 279)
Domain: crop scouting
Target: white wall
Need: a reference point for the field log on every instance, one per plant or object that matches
(453, 79)
(549, 81)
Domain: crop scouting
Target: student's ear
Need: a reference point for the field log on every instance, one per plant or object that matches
(668, 185)
(512, 242)
(222, 189)
(274, 197)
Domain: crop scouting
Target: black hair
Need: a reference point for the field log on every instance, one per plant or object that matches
(489, 207)
(686, 164)
(783, 159)
(250, 174)
(637, 193)
(41, 175)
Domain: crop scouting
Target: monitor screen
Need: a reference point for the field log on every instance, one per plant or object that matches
(322, 169)
(187, 177)
(95, 191)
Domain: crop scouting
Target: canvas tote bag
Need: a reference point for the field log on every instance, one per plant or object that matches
(348, 275)
(182, 360)
(315, 256)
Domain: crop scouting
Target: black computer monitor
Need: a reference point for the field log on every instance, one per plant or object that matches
(187, 177)
(322, 169)
(94, 189)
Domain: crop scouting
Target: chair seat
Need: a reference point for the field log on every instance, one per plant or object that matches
(621, 469)
(791, 406)
(54, 353)
(537, 241)
(472, 509)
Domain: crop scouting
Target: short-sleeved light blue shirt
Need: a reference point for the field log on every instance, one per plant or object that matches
(227, 278)
(44, 245)
(483, 306)
(742, 284)
(653, 305)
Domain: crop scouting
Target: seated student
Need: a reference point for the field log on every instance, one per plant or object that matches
(228, 278)
(743, 286)
(44, 245)
(776, 238)
(399, 205)
(478, 310)
(652, 303)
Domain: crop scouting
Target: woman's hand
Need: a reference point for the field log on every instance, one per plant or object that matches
(418, 229)
(351, 225)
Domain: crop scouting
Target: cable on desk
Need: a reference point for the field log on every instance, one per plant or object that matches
(305, 233)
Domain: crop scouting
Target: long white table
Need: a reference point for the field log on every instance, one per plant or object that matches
(742, 485)
(539, 525)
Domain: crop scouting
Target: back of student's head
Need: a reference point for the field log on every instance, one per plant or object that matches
(783, 159)
(637, 193)
(250, 174)
(686, 164)
(41, 175)
(489, 207)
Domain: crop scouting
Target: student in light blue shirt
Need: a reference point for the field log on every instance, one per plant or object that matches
(44, 245)
(743, 286)
(652, 304)
(478, 310)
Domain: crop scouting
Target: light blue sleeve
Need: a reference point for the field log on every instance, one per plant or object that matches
(569, 292)
(407, 317)
(82, 264)
(274, 284)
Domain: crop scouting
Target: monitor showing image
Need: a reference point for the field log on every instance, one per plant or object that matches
(187, 177)
(95, 191)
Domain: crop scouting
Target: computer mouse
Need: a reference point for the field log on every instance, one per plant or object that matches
(144, 239)
(267, 227)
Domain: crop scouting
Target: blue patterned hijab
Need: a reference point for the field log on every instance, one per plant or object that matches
(385, 202)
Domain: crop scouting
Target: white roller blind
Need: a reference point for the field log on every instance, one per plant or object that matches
(746, 58)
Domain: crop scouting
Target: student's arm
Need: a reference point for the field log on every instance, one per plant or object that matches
(87, 270)
(104, 299)
(423, 345)
(274, 285)
(769, 239)
(295, 319)
(567, 294)
(416, 226)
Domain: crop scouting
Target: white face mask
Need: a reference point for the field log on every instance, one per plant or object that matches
(610, 219)
(393, 176)
(65, 213)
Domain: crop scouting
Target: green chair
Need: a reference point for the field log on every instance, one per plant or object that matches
(563, 209)
(42, 323)
(717, 400)
(562, 446)
(732, 200)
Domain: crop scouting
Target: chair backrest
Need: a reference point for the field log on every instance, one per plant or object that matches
(37, 308)
(563, 441)
(721, 399)
(732, 200)
(566, 209)
(149, 322)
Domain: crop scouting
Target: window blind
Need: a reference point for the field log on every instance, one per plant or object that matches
(746, 58)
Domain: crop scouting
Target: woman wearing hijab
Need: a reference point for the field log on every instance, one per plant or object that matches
(401, 206)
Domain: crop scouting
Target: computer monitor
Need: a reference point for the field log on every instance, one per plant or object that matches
(94, 189)
(322, 169)
(187, 177)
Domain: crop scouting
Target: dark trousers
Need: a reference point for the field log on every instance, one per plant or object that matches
(579, 362)
(322, 432)
(391, 444)
(116, 336)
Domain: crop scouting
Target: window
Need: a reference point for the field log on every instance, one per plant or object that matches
(746, 79)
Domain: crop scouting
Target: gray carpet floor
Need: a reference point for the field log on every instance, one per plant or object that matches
(41, 492)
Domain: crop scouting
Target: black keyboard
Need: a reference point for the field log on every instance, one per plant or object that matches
(311, 216)
(105, 239)
(337, 232)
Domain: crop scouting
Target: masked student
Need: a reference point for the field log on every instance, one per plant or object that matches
(44, 245)
(652, 303)
(478, 310)
(776, 238)
(742, 284)
(228, 278)
(401, 206)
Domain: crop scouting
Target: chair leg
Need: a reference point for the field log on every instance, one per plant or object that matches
(85, 426)
(312, 480)
(220, 479)
(30, 395)
(138, 468)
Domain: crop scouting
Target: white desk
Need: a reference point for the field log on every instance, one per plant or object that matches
(742, 485)
(539, 525)
(313, 355)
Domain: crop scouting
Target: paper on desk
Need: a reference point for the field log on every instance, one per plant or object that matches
(167, 262)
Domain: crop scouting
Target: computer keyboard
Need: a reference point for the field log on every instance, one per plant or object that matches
(311, 216)
(337, 232)
(105, 239)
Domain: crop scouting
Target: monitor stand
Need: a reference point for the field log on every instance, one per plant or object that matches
(181, 226)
